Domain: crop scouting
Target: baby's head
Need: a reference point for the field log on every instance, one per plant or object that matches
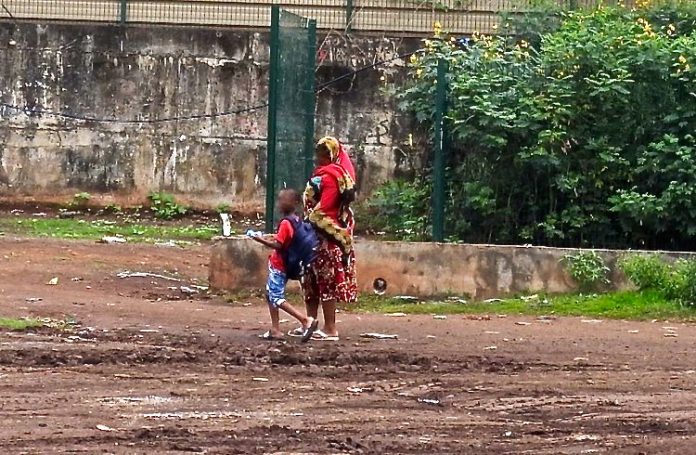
(288, 201)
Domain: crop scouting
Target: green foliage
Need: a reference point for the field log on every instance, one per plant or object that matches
(165, 206)
(619, 305)
(80, 199)
(400, 208)
(223, 208)
(96, 229)
(587, 268)
(675, 281)
(113, 208)
(646, 271)
(19, 324)
(585, 139)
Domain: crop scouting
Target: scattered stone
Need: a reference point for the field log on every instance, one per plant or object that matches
(633, 331)
(188, 290)
(104, 428)
(591, 321)
(671, 335)
(68, 214)
(33, 299)
(522, 323)
(429, 401)
(490, 348)
(406, 297)
(440, 317)
(492, 300)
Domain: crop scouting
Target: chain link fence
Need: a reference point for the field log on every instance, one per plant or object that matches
(397, 17)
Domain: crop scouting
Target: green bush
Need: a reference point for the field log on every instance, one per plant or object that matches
(400, 208)
(165, 207)
(650, 272)
(80, 199)
(681, 285)
(588, 269)
(585, 140)
(645, 271)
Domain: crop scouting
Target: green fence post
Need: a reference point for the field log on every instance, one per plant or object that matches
(124, 11)
(310, 97)
(272, 117)
(349, 15)
(439, 155)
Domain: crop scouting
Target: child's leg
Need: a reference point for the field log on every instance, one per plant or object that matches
(275, 296)
(292, 311)
(275, 321)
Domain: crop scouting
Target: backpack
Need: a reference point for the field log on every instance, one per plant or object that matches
(302, 250)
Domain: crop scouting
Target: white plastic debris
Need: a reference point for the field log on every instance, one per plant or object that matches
(440, 317)
(379, 336)
(260, 379)
(188, 290)
(492, 300)
(406, 297)
(129, 274)
(53, 281)
(395, 315)
(33, 299)
(104, 428)
(226, 225)
(522, 323)
(429, 401)
(110, 240)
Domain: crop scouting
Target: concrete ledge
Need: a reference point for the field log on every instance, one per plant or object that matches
(425, 269)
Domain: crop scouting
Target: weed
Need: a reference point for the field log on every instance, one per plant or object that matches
(165, 206)
(587, 268)
(80, 200)
(223, 208)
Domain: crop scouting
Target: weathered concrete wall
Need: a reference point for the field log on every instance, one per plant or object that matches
(149, 72)
(425, 269)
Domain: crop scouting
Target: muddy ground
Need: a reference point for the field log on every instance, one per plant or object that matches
(149, 369)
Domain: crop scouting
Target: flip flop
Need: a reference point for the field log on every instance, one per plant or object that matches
(268, 337)
(297, 332)
(309, 332)
(321, 336)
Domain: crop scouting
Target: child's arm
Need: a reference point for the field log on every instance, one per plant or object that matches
(273, 244)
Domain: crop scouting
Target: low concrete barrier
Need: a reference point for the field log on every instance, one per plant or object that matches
(425, 269)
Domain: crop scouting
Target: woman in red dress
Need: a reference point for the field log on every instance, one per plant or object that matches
(327, 198)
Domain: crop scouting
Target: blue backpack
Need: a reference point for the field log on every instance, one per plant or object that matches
(302, 250)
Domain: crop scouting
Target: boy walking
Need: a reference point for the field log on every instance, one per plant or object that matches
(288, 200)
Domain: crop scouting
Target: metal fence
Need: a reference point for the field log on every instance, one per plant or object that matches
(291, 106)
(394, 16)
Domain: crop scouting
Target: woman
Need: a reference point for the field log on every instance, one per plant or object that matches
(327, 198)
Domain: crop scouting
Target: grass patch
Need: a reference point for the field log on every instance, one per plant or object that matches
(19, 324)
(620, 305)
(94, 230)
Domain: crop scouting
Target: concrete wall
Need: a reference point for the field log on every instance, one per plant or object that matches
(425, 269)
(150, 72)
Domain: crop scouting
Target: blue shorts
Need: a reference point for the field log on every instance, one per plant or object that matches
(275, 287)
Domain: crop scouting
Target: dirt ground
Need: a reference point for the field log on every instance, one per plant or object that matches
(149, 369)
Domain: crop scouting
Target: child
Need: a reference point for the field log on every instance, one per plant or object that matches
(288, 200)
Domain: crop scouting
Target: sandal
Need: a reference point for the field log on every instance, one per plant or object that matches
(309, 331)
(321, 336)
(297, 332)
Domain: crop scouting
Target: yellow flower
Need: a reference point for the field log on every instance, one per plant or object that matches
(419, 72)
(682, 59)
(437, 28)
(414, 59)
